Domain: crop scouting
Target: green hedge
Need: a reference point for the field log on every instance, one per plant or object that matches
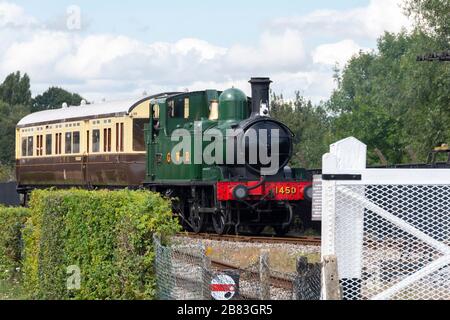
(106, 234)
(12, 222)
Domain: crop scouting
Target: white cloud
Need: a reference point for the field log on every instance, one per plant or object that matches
(339, 52)
(114, 66)
(12, 15)
(276, 51)
(38, 55)
(363, 22)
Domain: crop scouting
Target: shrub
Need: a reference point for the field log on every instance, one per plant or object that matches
(12, 222)
(108, 235)
(6, 173)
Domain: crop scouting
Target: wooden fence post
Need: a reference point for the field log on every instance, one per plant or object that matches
(264, 276)
(206, 276)
(332, 289)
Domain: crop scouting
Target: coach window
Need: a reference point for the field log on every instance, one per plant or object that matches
(88, 141)
(57, 143)
(119, 137)
(48, 144)
(58, 139)
(39, 145)
(138, 134)
(24, 147)
(30, 147)
(76, 142)
(68, 142)
(107, 140)
(96, 140)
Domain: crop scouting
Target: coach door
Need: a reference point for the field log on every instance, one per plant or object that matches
(85, 161)
(153, 159)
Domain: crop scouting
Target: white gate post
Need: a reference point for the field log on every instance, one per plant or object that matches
(347, 156)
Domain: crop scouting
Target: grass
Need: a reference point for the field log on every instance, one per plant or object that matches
(11, 290)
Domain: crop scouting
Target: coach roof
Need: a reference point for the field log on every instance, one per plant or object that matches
(96, 110)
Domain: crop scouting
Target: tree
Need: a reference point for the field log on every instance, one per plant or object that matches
(432, 17)
(15, 90)
(392, 102)
(6, 173)
(53, 98)
(15, 97)
(310, 125)
(10, 116)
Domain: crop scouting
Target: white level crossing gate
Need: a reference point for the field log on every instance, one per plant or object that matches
(389, 228)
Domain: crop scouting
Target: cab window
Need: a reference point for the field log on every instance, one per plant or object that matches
(186, 108)
(155, 110)
(176, 108)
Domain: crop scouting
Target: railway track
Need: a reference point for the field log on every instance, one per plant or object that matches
(313, 241)
(276, 281)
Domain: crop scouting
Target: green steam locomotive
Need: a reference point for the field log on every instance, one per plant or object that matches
(224, 161)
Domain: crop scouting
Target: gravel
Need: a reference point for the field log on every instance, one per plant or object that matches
(292, 249)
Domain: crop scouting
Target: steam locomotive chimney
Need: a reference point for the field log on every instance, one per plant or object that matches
(260, 94)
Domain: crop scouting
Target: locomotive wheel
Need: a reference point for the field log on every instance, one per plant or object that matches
(197, 219)
(219, 223)
(282, 230)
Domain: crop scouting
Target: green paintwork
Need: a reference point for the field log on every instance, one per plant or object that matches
(233, 105)
(160, 145)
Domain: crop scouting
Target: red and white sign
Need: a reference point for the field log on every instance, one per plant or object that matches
(223, 287)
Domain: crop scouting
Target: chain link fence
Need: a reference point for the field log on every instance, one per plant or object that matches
(187, 272)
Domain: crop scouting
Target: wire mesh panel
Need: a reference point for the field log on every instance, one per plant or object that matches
(180, 273)
(392, 241)
(185, 272)
(307, 285)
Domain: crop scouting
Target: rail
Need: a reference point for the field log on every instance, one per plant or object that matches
(313, 241)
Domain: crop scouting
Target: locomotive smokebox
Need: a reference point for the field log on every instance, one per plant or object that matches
(260, 94)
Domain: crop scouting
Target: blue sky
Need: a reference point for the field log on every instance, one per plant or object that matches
(124, 48)
(222, 22)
